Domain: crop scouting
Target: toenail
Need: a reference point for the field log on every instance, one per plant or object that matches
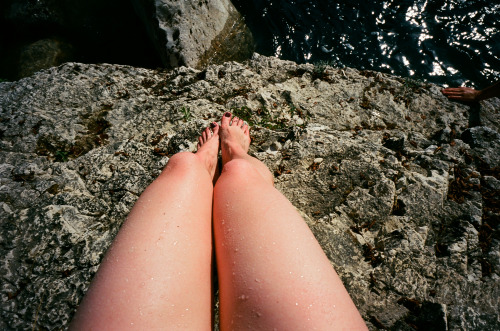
(213, 125)
(227, 114)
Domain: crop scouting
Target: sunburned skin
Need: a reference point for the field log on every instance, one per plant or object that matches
(208, 150)
(272, 272)
(158, 272)
(235, 142)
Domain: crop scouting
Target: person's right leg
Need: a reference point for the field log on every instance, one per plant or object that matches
(272, 272)
(157, 274)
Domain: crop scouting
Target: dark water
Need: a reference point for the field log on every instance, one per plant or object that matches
(453, 42)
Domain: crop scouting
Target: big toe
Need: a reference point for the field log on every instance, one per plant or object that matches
(226, 119)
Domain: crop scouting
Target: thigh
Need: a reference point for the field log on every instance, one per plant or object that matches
(157, 272)
(272, 271)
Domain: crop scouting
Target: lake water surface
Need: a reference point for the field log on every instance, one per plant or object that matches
(450, 42)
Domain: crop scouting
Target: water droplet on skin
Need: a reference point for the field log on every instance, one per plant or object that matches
(296, 303)
(257, 280)
(236, 249)
(259, 314)
(142, 284)
(175, 243)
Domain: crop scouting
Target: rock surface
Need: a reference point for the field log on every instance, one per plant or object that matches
(401, 193)
(196, 33)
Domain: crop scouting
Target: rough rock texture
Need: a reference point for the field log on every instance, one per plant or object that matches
(43, 54)
(401, 193)
(196, 33)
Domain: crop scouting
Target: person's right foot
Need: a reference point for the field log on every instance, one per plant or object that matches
(208, 150)
(234, 136)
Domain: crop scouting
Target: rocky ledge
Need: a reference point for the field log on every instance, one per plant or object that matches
(399, 185)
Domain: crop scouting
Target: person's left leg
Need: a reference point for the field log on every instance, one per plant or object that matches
(157, 272)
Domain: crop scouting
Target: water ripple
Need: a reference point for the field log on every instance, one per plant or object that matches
(454, 42)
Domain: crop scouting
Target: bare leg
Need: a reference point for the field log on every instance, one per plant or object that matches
(157, 273)
(273, 274)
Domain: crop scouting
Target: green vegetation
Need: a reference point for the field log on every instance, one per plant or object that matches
(244, 113)
(186, 113)
(61, 156)
(320, 66)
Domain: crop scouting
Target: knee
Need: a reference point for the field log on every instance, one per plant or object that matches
(182, 162)
(182, 159)
(237, 167)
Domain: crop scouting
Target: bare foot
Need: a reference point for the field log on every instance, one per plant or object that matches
(235, 138)
(208, 149)
(235, 141)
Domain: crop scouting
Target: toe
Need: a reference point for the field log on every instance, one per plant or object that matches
(241, 123)
(208, 133)
(235, 121)
(215, 128)
(226, 119)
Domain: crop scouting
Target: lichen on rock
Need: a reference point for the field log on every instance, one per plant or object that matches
(398, 188)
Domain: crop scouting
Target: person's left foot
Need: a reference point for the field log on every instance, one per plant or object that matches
(208, 149)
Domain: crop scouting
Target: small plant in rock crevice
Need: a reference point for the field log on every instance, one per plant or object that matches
(186, 113)
(61, 156)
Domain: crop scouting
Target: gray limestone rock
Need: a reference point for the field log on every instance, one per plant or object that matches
(196, 33)
(403, 203)
(43, 54)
